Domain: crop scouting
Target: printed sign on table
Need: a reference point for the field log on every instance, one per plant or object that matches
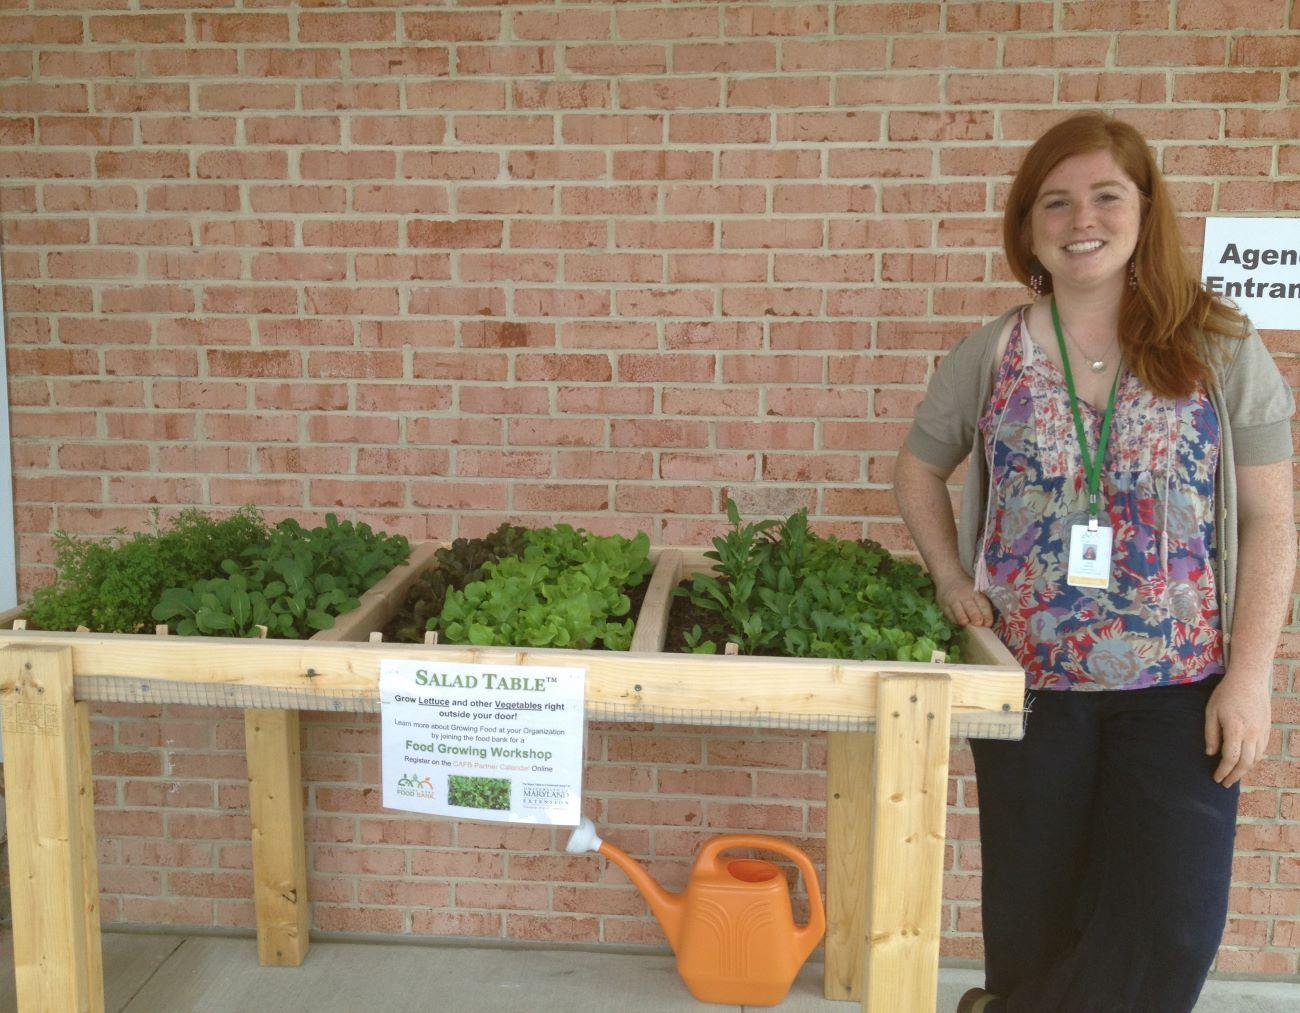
(1255, 262)
(485, 742)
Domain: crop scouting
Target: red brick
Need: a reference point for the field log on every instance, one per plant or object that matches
(656, 499)
(467, 26)
(957, 125)
(1227, 86)
(242, 165)
(389, 892)
(1175, 50)
(706, 782)
(351, 96)
(846, 54)
(356, 26)
(606, 200)
(456, 923)
(398, 62)
(44, 165)
(752, 817)
(1112, 88)
(167, 911)
(1234, 14)
(552, 928)
(1117, 14)
(602, 464)
(708, 401)
(337, 918)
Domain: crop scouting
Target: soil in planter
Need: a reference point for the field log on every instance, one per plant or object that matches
(685, 615)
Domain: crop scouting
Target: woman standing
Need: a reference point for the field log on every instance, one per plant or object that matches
(1127, 531)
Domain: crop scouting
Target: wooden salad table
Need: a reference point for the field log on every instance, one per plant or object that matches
(889, 726)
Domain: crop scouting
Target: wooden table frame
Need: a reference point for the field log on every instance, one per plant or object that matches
(886, 789)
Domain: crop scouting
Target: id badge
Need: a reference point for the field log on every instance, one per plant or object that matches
(1089, 556)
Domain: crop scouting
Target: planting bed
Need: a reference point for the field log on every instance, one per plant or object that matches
(454, 874)
(522, 587)
(780, 590)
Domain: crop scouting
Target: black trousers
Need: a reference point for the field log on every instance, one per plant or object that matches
(1107, 853)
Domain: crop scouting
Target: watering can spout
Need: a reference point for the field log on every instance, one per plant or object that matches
(667, 907)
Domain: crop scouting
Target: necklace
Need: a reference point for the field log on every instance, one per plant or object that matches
(1097, 365)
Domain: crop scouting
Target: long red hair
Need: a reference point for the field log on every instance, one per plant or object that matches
(1170, 327)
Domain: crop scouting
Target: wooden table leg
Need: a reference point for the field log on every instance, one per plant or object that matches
(54, 881)
(849, 759)
(279, 851)
(901, 966)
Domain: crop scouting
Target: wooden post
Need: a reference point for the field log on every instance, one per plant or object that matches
(54, 880)
(905, 894)
(279, 851)
(849, 760)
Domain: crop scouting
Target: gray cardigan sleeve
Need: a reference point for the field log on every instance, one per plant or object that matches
(1259, 402)
(943, 428)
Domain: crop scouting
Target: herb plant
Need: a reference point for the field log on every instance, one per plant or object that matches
(796, 594)
(567, 589)
(111, 585)
(294, 583)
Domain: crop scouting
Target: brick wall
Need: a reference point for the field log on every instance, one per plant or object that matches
(440, 265)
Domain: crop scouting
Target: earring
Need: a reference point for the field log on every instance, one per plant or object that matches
(1037, 278)
(1132, 275)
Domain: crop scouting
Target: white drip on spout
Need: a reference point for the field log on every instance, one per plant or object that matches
(583, 838)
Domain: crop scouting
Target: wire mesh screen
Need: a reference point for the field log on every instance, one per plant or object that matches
(974, 726)
(119, 689)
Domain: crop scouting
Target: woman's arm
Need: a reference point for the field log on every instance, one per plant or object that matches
(1238, 717)
(922, 493)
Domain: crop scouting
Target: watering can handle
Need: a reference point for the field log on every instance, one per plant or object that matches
(816, 912)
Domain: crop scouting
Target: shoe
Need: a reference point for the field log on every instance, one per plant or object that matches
(978, 1000)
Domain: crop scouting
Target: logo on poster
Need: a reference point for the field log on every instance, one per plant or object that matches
(411, 786)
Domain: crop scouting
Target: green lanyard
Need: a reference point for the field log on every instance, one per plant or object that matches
(1091, 466)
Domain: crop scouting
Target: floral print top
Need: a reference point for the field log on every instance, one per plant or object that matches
(1158, 622)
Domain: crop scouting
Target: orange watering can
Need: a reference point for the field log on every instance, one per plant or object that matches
(731, 928)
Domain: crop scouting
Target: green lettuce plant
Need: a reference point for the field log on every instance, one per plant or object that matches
(566, 589)
(454, 566)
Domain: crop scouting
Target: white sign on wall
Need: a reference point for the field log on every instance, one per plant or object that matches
(1255, 262)
(484, 742)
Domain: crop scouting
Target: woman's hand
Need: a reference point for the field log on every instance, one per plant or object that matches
(961, 603)
(1237, 721)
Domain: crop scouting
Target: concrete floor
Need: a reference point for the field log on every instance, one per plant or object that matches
(155, 973)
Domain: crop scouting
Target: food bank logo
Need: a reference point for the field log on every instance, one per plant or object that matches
(411, 786)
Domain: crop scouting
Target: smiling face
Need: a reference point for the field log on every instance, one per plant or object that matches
(1084, 223)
